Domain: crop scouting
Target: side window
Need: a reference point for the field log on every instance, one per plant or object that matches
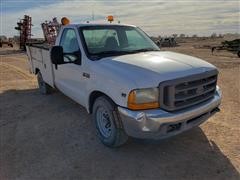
(70, 46)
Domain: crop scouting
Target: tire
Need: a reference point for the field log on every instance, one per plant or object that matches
(238, 54)
(43, 87)
(109, 127)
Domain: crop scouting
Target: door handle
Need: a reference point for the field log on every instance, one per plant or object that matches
(86, 75)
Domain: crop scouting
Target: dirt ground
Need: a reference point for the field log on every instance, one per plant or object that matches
(52, 137)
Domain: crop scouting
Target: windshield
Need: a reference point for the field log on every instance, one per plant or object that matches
(103, 41)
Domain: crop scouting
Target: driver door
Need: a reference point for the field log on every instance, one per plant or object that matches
(68, 76)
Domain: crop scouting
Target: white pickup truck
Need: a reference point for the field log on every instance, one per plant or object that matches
(121, 77)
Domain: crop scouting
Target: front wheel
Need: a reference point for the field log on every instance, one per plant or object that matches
(43, 87)
(108, 125)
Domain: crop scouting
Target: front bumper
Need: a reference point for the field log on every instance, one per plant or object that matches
(158, 123)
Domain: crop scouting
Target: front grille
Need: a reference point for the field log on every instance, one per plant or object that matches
(188, 91)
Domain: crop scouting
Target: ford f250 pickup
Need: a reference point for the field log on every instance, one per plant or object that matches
(131, 88)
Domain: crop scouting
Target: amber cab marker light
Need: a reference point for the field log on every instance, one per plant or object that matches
(110, 19)
(65, 21)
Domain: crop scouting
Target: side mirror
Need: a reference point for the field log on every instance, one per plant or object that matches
(56, 54)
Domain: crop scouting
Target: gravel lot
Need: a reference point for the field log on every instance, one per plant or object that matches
(52, 137)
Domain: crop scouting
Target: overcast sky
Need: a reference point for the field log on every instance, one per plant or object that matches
(158, 17)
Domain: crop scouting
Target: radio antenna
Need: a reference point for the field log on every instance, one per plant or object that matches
(93, 13)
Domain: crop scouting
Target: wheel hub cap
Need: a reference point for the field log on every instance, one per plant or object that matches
(104, 122)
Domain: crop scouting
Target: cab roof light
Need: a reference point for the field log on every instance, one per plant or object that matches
(110, 19)
(65, 21)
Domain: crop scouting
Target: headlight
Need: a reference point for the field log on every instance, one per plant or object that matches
(143, 99)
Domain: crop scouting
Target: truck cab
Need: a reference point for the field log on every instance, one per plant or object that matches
(131, 88)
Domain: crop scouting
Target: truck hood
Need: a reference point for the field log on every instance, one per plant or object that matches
(148, 69)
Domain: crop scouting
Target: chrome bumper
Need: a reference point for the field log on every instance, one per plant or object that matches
(158, 124)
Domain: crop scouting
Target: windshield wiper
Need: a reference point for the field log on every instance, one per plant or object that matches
(143, 50)
(110, 52)
(103, 54)
(113, 52)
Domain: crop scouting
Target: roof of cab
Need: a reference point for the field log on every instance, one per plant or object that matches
(97, 24)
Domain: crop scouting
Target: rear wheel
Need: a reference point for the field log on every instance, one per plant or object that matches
(238, 54)
(108, 125)
(43, 87)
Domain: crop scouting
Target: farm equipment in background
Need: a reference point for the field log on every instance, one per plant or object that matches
(50, 30)
(166, 42)
(8, 42)
(233, 46)
(24, 26)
